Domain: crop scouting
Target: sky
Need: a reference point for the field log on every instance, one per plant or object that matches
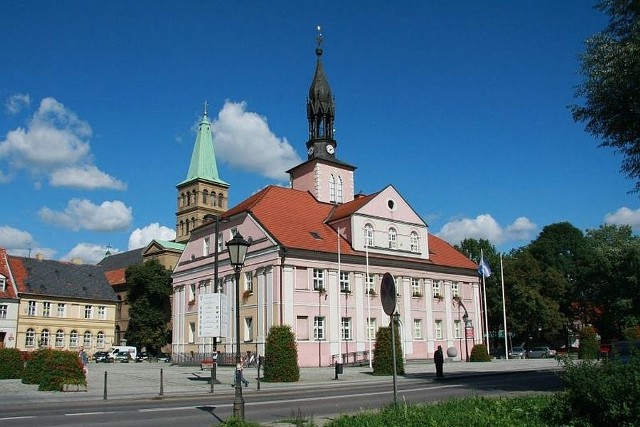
(462, 106)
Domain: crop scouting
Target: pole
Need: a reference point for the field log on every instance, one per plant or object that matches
(339, 360)
(238, 401)
(504, 312)
(216, 253)
(484, 300)
(161, 384)
(104, 395)
(393, 348)
(366, 281)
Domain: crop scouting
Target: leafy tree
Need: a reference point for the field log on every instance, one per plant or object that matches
(149, 305)
(589, 346)
(383, 352)
(281, 355)
(611, 89)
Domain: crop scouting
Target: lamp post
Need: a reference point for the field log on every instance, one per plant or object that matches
(237, 248)
(467, 328)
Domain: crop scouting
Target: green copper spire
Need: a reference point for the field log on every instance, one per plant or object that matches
(203, 159)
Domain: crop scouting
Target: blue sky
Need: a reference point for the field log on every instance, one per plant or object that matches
(461, 106)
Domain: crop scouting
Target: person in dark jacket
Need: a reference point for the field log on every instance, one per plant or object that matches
(438, 358)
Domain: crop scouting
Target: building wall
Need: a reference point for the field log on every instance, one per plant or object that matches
(8, 324)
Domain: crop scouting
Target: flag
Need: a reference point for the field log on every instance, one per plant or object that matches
(483, 268)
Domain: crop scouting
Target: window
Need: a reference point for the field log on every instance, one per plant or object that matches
(192, 333)
(100, 340)
(345, 286)
(192, 292)
(455, 289)
(318, 279)
(346, 328)
(102, 312)
(220, 243)
(332, 189)
(248, 282)
(415, 247)
(87, 339)
(30, 338)
(417, 329)
(3, 283)
(457, 329)
(302, 328)
(205, 197)
(46, 309)
(31, 308)
(415, 287)
(438, 329)
(73, 339)
(370, 285)
(339, 190)
(88, 312)
(207, 246)
(393, 238)
(61, 310)
(437, 293)
(368, 235)
(44, 338)
(318, 328)
(248, 329)
(3, 311)
(59, 338)
(372, 328)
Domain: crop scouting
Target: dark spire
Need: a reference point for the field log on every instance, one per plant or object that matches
(320, 110)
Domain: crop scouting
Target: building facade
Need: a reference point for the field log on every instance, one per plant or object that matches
(8, 304)
(317, 256)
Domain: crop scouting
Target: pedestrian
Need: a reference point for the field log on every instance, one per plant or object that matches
(438, 358)
(84, 358)
(239, 374)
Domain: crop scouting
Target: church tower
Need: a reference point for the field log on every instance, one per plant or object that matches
(323, 175)
(202, 192)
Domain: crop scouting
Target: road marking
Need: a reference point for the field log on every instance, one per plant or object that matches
(176, 408)
(76, 414)
(17, 418)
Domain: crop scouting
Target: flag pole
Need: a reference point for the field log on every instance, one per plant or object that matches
(504, 312)
(338, 298)
(484, 300)
(366, 284)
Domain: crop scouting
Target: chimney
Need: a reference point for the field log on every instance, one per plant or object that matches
(39, 256)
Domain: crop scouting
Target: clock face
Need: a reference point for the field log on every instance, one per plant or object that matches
(310, 151)
(330, 149)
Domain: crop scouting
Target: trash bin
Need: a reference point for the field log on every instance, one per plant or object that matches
(339, 369)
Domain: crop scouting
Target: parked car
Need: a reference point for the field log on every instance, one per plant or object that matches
(624, 350)
(142, 356)
(517, 353)
(122, 357)
(540, 353)
(101, 356)
(162, 357)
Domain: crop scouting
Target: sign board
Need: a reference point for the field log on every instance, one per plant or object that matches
(388, 294)
(213, 315)
(468, 331)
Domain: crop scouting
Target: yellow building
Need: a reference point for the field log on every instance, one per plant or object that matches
(63, 305)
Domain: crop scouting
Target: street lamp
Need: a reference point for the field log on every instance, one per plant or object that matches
(237, 248)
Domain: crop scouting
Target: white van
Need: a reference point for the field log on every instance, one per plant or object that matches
(133, 352)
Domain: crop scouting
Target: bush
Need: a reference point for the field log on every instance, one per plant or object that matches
(383, 352)
(11, 364)
(479, 353)
(51, 369)
(281, 355)
(589, 347)
(598, 394)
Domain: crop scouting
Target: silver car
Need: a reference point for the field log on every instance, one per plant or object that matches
(540, 353)
(517, 353)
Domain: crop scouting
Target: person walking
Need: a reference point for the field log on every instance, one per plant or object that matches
(84, 358)
(240, 373)
(438, 358)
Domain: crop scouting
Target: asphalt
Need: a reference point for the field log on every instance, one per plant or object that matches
(153, 380)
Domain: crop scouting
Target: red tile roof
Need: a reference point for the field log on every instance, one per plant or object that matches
(4, 270)
(291, 216)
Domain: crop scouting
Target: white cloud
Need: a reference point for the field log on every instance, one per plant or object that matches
(84, 215)
(88, 253)
(12, 238)
(486, 227)
(87, 177)
(17, 102)
(54, 139)
(141, 237)
(243, 140)
(624, 216)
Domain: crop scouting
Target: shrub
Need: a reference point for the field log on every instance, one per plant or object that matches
(632, 333)
(383, 353)
(589, 347)
(11, 364)
(479, 353)
(281, 355)
(51, 369)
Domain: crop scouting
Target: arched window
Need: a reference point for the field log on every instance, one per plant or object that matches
(188, 199)
(59, 338)
(368, 235)
(73, 339)
(332, 188)
(100, 341)
(87, 339)
(415, 243)
(205, 197)
(44, 338)
(30, 338)
(213, 199)
(183, 200)
(393, 238)
(220, 200)
(339, 190)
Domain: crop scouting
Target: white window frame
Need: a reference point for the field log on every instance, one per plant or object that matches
(415, 287)
(87, 337)
(345, 284)
(318, 279)
(345, 328)
(248, 281)
(102, 312)
(73, 339)
(206, 248)
(4, 308)
(88, 311)
(62, 309)
(248, 329)
(45, 338)
(392, 235)
(368, 235)
(100, 339)
(30, 338)
(415, 242)
(370, 284)
(59, 338)
(372, 328)
(417, 329)
(319, 328)
(32, 308)
(455, 289)
(437, 288)
(457, 329)
(437, 329)
(3, 283)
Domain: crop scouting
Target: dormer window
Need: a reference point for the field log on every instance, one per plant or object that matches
(368, 235)
(393, 238)
(415, 247)
(3, 283)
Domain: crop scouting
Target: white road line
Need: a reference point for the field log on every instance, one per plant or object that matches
(79, 414)
(176, 408)
(17, 418)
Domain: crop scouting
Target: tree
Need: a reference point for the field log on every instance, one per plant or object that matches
(611, 89)
(149, 305)
(281, 355)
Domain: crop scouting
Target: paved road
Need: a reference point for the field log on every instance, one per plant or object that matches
(149, 380)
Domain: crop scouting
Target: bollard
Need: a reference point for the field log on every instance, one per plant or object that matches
(161, 385)
(104, 395)
(213, 370)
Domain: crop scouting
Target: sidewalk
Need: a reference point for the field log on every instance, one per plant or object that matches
(143, 380)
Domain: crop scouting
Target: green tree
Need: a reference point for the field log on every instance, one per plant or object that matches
(610, 66)
(383, 352)
(149, 305)
(281, 355)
